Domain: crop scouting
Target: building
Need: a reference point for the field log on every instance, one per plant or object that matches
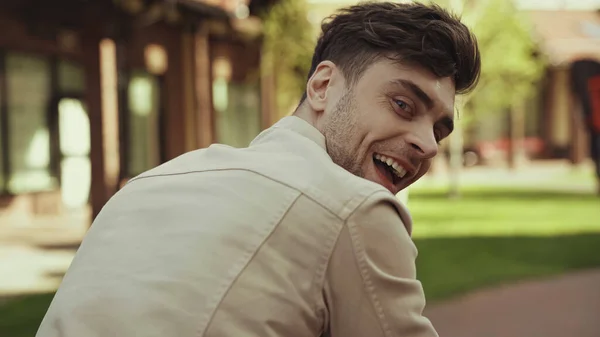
(565, 37)
(95, 92)
(553, 128)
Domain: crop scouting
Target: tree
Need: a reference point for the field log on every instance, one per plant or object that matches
(287, 51)
(510, 68)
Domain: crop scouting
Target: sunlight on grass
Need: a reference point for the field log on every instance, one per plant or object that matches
(503, 212)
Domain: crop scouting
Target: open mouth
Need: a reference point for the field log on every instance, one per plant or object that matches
(389, 168)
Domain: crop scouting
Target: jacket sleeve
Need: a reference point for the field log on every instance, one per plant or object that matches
(370, 286)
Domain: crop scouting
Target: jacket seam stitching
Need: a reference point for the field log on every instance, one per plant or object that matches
(359, 255)
(322, 272)
(338, 216)
(228, 283)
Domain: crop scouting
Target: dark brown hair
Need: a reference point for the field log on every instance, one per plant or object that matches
(411, 33)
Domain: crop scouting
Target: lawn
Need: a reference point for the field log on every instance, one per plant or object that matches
(494, 236)
(21, 317)
(488, 237)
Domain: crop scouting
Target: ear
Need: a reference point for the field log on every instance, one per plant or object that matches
(319, 86)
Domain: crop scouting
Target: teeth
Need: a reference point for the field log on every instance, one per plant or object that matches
(397, 169)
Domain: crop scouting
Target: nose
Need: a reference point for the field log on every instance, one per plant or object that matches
(424, 144)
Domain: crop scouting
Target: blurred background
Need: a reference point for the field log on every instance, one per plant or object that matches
(94, 92)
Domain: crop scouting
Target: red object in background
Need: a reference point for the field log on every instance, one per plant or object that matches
(594, 92)
(533, 146)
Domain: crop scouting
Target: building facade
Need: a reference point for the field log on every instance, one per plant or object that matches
(95, 92)
(565, 37)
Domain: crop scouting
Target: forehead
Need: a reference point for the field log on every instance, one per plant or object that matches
(387, 75)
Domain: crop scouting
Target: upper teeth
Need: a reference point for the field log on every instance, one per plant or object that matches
(397, 169)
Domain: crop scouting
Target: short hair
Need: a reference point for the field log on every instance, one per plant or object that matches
(411, 33)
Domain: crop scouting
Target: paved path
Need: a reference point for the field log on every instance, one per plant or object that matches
(565, 306)
(34, 254)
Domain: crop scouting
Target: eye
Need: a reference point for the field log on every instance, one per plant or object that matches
(402, 105)
(403, 108)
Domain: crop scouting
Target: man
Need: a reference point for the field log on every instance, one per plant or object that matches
(300, 233)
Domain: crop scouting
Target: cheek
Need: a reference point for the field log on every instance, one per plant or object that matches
(380, 124)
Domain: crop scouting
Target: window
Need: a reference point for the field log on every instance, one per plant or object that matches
(143, 148)
(238, 112)
(3, 132)
(236, 101)
(29, 157)
(71, 78)
(28, 89)
(74, 145)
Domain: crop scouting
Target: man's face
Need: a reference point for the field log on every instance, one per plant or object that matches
(386, 128)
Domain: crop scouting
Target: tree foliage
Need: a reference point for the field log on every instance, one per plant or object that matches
(511, 68)
(287, 50)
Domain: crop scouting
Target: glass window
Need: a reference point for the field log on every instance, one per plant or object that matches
(71, 79)
(28, 88)
(74, 144)
(238, 112)
(143, 128)
(2, 149)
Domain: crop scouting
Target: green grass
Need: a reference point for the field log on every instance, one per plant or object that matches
(493, 236)
(503, 212)
(488, 237)
(452, 266)
(22, 316)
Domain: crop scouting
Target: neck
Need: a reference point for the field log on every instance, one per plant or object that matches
(309, 115)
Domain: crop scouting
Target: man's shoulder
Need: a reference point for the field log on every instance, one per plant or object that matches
(347, 191)
(304, 166)
(291, 162)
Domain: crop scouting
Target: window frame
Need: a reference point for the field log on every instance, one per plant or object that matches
(51, 119)
(125, 120)
(4, 129)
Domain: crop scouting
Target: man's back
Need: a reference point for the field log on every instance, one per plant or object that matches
(258, 241)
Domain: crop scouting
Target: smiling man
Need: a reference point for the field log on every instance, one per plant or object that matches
(385, 127)
(299, 234)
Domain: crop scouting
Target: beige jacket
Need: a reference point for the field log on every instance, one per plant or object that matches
(274, 240)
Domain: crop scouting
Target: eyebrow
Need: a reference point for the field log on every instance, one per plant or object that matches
(425, 99)
(416, 90)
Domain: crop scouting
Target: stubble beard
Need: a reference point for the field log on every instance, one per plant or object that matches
(339, 131)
